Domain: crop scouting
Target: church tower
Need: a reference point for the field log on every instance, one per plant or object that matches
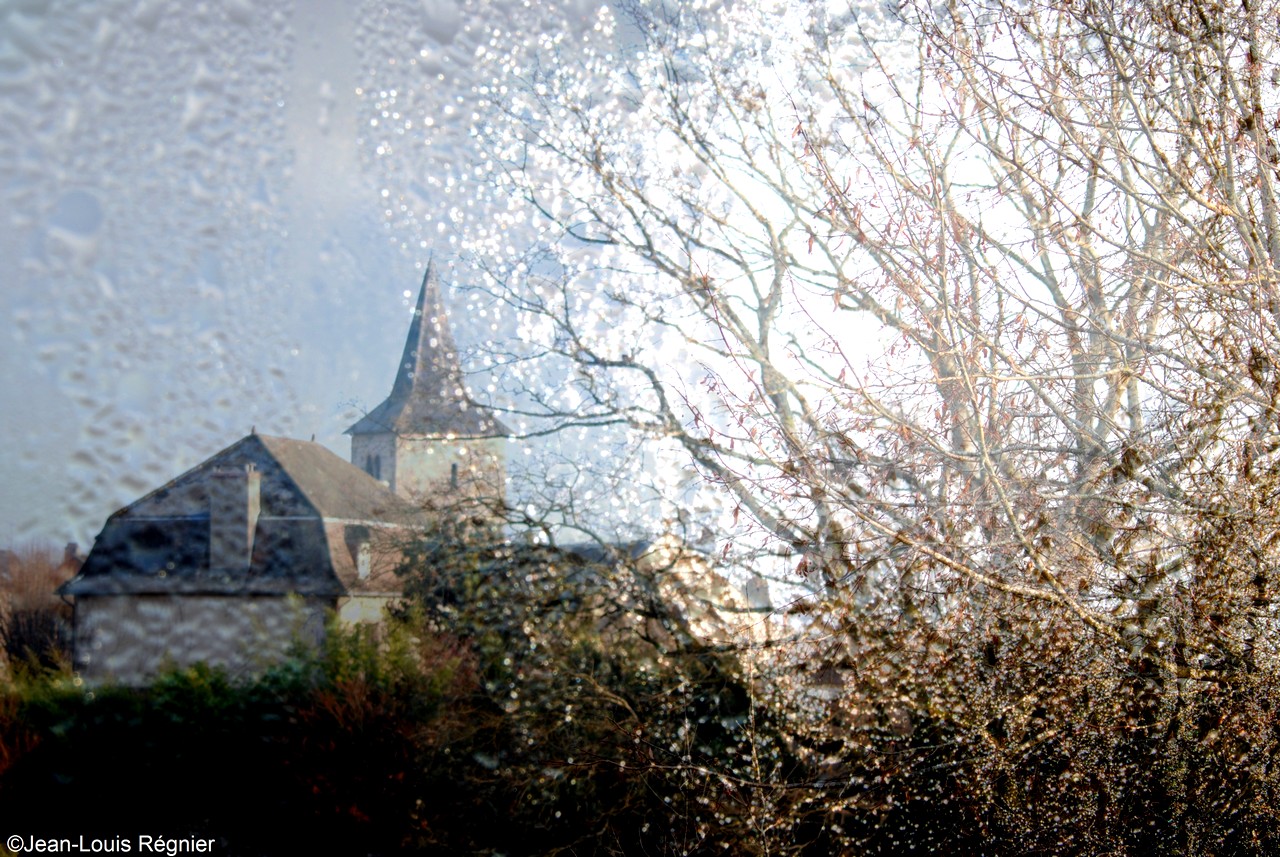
(428, 441)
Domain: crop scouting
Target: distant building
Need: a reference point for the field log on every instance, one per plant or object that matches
(242, 557)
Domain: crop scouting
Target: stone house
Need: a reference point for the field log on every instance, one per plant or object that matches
(243, 556)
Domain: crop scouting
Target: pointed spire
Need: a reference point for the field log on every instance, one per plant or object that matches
(429, 395)
(429, 366)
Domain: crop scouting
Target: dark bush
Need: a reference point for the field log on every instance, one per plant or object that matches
(39, 638)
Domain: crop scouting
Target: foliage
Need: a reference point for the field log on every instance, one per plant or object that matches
(296, 759)
(414, 738)
(620, 732)
(582, 737)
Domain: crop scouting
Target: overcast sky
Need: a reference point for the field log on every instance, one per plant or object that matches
(203, 234)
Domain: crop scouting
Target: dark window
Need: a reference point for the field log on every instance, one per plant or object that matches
(453, 476)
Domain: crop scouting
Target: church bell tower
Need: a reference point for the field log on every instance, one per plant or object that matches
(428, 441)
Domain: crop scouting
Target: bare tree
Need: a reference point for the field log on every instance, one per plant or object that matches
(981, 299)
(971, 310)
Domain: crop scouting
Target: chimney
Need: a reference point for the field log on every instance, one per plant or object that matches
(234, 503)
(71, 558)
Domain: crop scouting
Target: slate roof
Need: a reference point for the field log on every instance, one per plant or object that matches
(429, 396)
(312, 502)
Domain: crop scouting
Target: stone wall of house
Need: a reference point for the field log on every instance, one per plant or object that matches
(130, 639)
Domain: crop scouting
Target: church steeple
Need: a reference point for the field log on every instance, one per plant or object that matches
(429, 366)
(428, 396)
(427, 437)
